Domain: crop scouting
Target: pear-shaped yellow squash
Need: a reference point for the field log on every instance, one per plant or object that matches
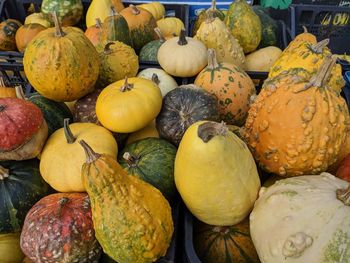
(215, 174)
(62, 157)
(132, 219)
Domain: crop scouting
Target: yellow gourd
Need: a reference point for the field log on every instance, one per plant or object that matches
(155, 8)
(149, 131)
(170, 26)
(101, 9)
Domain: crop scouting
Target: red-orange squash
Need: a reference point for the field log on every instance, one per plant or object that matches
(93, 33)
(26, 33)
(231, 85)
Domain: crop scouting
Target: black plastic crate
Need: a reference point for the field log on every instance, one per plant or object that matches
(311, 16)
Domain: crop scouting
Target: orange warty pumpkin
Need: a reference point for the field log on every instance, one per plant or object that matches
(26, 33)
(231, 85)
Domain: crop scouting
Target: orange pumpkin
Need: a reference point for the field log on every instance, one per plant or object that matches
(303, 37)
(93, 33)
(231, 85)
(26, 33)
(6, 92)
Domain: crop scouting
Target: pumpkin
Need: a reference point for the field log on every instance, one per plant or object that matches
(23, 129)
(244, 24)
(132, 219)
(115, 28)
(62, 156)
(164, 81)
(69, 60)
(343, 172)
(6, 92)
(181, 108)
(211, 12)
(59, 228)
(21, 187)
(170, 26)
(262, 59)
(215, 34)
(182, 56)
(215, 174)
(302, 219)
(93, 33)
(150, 131)
(10, 250)
(224, 244)
(269, 28)
(141, 24)
(84, 108)
(117, 62)
(315, 129)
(231, 85)
(26, 33)
(149, 51)
(155, 8)
(101, 9)
(69, 12)
(152, 160)
(302, 37)
(38, 18)
(127, 106)
(8, 29)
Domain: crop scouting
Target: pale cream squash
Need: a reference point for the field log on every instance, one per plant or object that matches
(10, 250)
(215, 174)
(303, 219)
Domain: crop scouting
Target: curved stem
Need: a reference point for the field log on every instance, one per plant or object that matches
(91, 156)
(108, 49)
(127, 86)
(135, 10)
(155, 78)
(159, 34)
(67, 132)
(4, 173)
(130, 159)
(344, 195)
(20, 93)
(210, 129)
(182, 38)
(319, 46)
(114, 11)
(213, 5)
(98, 23)
(59, 31)
(212, 61)
(305, 29)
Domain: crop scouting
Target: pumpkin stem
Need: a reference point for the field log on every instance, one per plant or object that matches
(210, 17)
(344, 195)
(59, 31)
(155, 78)
(159, 34)
(213, 5)
(4, 173)
(135, 10)
(114, 11)
(305, 29)
(319, 46)
(2, 82)
(91, 156)
(324, 73)
(210, 129)
(108, 49)
(212, 61)
(68, 132)
(127, 86)
(182, 38)
(98, 23)
(20, 93)
(131, 159)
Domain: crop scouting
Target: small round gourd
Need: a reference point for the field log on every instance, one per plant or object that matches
(8, 29)
(149, 51)
(26, 33)
(94, 32)
(69, 11)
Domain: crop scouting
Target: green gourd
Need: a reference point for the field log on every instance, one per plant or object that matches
(149, 51)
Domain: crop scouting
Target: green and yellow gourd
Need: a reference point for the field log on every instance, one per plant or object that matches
(149, 51)
(244, 24)
(132, 219)
(214, 34)
(69, 12)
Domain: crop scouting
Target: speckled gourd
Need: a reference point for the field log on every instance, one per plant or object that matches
(296, 125)
(214, 34)
(132, 219)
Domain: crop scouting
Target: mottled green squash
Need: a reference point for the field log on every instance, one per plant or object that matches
(149, 51)
(152, 160)
(269, 27)
(69, 12)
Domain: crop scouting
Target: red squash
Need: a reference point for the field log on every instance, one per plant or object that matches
(23, 129)
(59, 228)
(343, 171)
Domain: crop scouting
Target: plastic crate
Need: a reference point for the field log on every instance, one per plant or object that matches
(310, 17)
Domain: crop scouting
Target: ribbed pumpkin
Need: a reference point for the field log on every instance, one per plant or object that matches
(312, 115)
(244, 24)
(26, 33)
(132, 219)
(62, 156)
(8, 29)
(101, 9)
(152, 160)
(141, 24)
(269, 26)
(38, 18)
(157, 9)
(93, 33)
(10, 250)
(181, 108)
(21, 187)
(149, 51)
(115, 28)
(59, 228)
(117, 62)
(69, 12)
(215, 174)
(150, 131)
(23, 129)
(6, 92)
(69, 60)
(214, 34)
(170, 26)
(231, 85)
(224, 244)
(127, 106)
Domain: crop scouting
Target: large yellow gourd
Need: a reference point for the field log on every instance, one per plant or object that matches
(101, 9)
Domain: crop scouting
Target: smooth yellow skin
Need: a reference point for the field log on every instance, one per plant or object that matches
(155, 8)
(217, 180)
(150, 131)
(61, 162)
(130, 110)
(101, 9)
(170, 25)
(10, 249)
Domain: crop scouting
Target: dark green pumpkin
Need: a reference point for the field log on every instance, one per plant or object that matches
(181, 108)
(21, 186)
(54, 112)
(269, 28)
(152, 160)
(149, 52)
